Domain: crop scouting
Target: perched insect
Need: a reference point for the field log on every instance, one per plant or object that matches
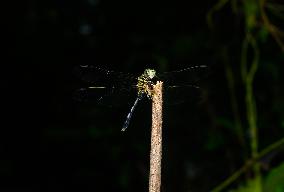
(115, 82)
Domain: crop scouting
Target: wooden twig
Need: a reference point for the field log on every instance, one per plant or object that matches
(156, 139)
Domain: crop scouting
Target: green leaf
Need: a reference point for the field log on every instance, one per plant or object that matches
(253, 185)
(274, 181)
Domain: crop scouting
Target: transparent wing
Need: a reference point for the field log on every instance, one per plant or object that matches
(175, 95)
(105, 87)
(184, 77)
(111, 97)
(100, 77)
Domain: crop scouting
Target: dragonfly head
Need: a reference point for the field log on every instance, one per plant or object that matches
(151, 73)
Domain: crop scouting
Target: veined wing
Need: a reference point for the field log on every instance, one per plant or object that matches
(182, 85)
(178, 94)
(103, 78)
(106, 96)
(184, 77)
(105, 87)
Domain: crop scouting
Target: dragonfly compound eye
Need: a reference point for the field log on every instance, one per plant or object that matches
(150, 73)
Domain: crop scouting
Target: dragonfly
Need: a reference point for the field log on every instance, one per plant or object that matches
(115, 82)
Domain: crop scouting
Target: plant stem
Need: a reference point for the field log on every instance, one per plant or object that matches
(248, 77)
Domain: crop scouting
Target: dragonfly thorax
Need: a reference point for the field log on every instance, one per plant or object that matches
(145, 83)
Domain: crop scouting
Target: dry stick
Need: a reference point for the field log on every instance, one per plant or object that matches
(156, 139)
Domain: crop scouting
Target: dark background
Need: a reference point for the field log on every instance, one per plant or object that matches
(52, 142)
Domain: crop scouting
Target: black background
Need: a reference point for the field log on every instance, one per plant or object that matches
(51, 142)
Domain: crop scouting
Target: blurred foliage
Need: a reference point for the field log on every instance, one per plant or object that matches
(272, 183)
(256, 29)
(248, 187)
(274, 179)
